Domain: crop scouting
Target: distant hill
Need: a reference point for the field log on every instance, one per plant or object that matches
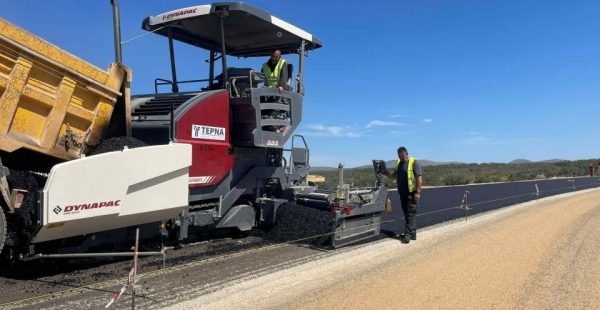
(438, 173)
(390, 164)
(526, 161)
(426, 163)
(552, 161)
(520, 161)
(322, 168)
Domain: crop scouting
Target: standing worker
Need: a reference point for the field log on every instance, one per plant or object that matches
(276, 71)
(409, 178)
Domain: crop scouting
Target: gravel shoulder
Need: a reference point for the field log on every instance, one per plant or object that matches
(541, 254)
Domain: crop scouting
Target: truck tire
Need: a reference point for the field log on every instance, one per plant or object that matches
(2, 229)
(116, 144)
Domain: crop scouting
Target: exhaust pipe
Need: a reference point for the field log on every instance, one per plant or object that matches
(117, 31)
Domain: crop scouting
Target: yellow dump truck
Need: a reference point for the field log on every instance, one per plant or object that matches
(54, 107)
(54, 103)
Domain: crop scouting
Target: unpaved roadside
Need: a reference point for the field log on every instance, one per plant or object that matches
(537, 255)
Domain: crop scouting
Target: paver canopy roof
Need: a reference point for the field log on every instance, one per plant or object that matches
(249, 31)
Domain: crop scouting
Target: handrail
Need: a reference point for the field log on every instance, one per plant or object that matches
(159, 82)
(233, 81)
(164, 82)
(292, 152)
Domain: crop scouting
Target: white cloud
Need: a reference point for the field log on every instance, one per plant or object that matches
(479, 139)
(396, 115)
(379, 123)
(427, 120)
(320, 130)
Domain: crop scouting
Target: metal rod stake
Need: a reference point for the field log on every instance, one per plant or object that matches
(137, 243)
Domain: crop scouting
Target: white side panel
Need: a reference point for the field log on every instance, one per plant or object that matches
(114, 190)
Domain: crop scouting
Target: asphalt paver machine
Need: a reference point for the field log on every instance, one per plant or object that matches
(83, 161)
(241, 173)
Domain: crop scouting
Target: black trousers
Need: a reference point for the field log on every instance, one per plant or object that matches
(409, 207)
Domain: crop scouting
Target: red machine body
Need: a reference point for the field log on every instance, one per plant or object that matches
(206, 127)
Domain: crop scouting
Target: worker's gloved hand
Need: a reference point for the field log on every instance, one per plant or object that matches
(416, 197)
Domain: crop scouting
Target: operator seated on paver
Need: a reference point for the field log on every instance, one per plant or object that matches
(276, 70)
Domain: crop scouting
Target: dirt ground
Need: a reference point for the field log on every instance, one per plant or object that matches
(538, 255)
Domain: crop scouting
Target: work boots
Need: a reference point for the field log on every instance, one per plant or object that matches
(406, 238)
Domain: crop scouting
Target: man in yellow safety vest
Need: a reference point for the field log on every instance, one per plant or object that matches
(408, 174)
(276, 70)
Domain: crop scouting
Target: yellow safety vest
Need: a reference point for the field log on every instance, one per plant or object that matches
(412, 181)
(273, 76)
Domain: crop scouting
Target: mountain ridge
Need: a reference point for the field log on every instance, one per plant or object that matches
(426, 162)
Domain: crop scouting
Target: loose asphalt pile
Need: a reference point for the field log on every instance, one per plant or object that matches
(295, 222)
(115, 144)
(22, 221)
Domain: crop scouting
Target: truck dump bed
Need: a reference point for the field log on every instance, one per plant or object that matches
(52, 102)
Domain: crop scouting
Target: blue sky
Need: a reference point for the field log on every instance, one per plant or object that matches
(471, 81)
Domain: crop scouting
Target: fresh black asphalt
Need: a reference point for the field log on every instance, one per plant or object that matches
(440, 204)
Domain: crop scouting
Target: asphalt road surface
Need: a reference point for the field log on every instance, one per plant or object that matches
(210, 266)
(440, 204)
(539, 255)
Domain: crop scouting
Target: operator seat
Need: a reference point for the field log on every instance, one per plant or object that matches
(240, 80)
